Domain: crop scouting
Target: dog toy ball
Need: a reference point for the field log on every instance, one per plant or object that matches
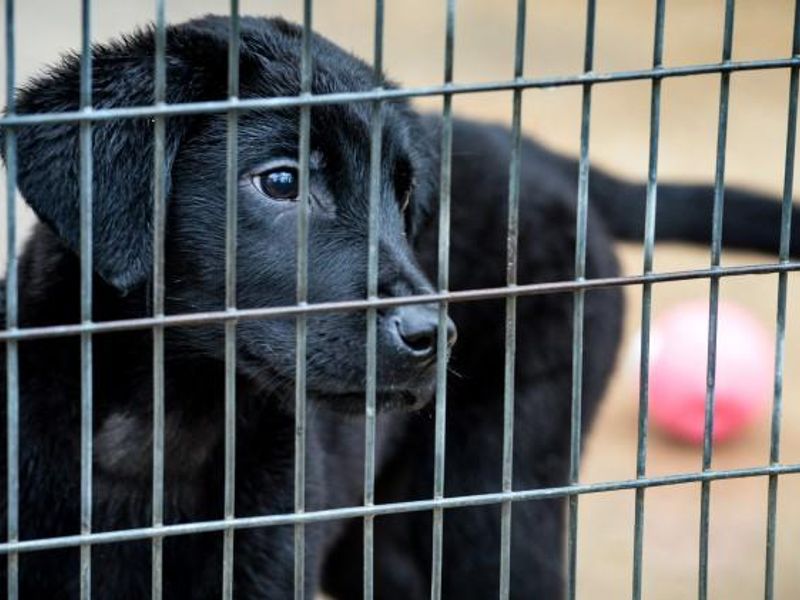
(678, 359)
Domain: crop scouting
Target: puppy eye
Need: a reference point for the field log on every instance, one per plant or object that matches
(281, 183)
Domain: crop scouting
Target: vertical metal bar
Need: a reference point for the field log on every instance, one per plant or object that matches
(231, 208)
(647, 300)
(780, 334)
(86, 298)
(159, 219)
(302, 300)
(443, 283)
(12, 350)
(511, 306)
(372, 314)
(579, 306)
(716, 252)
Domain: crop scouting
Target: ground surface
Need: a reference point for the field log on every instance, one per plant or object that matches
(484, 51)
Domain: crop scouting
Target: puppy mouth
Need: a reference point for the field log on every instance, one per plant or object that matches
(388, 400)
(412, 392)
(406, 390)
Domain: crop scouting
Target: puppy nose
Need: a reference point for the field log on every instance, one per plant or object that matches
(418, 328)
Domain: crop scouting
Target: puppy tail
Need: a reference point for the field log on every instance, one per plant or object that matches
(751, 220)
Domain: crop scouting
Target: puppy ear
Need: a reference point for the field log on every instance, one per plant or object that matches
(122, 149)
(425, 130)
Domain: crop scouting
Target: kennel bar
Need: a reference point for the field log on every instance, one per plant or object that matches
(233, 106)
(249, 104)
(373, 237)
(579, 305)
(713, 304)
(780, 329)
(86, 244)
(159, 224)
(12, 350)
(647, 300)
(449, 502)
(443, 283)
(302, 300)
(512, 246)
(473, 295)
(231, 211)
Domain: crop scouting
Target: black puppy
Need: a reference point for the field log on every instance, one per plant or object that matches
(48, 159)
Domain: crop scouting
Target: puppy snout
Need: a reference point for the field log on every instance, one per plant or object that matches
(417, 329)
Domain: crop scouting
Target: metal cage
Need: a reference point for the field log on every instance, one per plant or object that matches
(438, 503)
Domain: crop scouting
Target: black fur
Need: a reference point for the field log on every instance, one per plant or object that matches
(195, 157)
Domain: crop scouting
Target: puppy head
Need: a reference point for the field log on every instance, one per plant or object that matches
(268, 189)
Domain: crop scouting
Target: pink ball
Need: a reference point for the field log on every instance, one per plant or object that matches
(678, 359)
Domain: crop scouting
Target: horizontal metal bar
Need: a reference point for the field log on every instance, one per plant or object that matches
(238, 105)
(532, 289)
(127, 535)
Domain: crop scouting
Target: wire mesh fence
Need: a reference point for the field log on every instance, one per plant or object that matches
(233, 107)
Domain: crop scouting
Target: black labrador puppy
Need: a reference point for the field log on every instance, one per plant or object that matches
(195, 150)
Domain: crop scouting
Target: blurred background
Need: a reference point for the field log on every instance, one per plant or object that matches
(414, 48)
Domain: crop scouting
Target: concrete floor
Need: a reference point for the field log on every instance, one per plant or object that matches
(619, 142)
